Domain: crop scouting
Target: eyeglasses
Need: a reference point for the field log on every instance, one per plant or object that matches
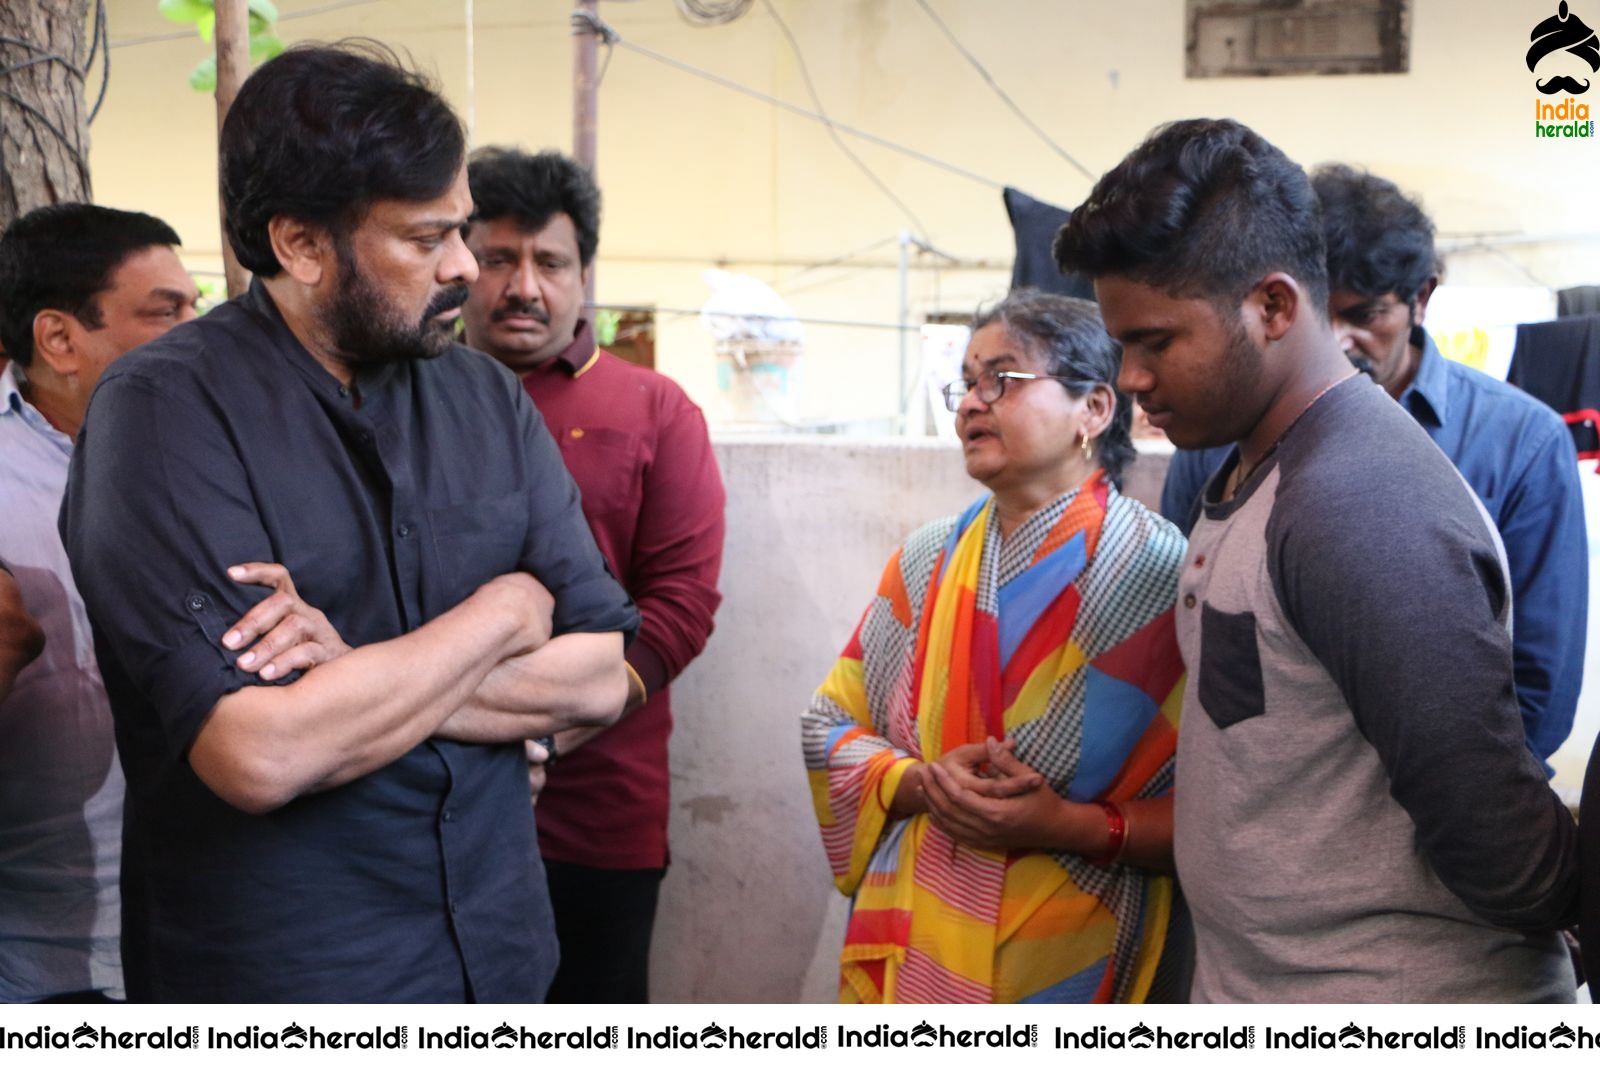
(991, 385)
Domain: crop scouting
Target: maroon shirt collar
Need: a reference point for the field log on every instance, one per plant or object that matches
(577, 356)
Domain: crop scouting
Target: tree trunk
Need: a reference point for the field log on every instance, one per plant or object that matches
(233, 67)
(44, 137)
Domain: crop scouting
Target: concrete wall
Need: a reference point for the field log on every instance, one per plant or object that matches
(748, 912)
(696, 175)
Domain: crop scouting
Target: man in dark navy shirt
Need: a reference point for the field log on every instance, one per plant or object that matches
(1514, 451)
(359, 830)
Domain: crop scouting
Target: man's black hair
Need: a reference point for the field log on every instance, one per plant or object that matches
(321, 132)
(1204, 208)
(1068, 337)
(1379, 240)
(530, 189)
(61, 258)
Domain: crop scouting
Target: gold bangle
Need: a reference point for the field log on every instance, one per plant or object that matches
(635, 680)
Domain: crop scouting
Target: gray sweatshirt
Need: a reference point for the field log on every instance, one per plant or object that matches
(1358, 818)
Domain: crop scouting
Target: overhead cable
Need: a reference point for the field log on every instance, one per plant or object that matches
(1001, 93)
(711, 12)
(795, 109)
(816, 100)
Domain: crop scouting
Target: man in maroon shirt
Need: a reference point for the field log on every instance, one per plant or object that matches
(638, 449)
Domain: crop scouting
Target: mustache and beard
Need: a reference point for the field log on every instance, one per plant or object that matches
(367, 329)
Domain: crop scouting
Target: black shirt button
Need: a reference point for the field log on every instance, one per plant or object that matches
(404, 531)
(454, 907)
(1188, 600)
(449, 816)
(197, 603)
(343, 391)
(366, 438)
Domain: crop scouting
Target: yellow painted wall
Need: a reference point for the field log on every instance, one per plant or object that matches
(695, 175)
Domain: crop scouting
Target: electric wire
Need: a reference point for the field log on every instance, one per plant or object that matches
(816, 100)
(711, 12)
(102, 36)
(586, 21)
(795, 109)
(843, 257)
(1001, 93)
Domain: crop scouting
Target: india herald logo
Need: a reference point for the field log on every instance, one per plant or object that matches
(1567, 34)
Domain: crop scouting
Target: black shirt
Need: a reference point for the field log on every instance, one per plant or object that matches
(225, 442)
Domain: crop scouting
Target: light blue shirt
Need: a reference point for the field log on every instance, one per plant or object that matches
(60, 782)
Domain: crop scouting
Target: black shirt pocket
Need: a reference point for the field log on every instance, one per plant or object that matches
(1230, 667)
(477, 541)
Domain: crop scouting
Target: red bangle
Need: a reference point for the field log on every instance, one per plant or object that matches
(1116, 832)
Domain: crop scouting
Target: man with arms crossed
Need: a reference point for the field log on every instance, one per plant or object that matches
(1358, 818)
(360, 831)
(638, 449)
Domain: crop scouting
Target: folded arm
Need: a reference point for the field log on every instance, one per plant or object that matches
(676, 558)
(262, 746)
(576, 680)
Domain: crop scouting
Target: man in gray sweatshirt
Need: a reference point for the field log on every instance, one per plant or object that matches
(1358, 817)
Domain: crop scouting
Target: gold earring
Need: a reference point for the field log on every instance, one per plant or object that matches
(1086, 445)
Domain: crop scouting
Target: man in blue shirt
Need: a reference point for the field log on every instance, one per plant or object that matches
(1514, 451)
(81, 285)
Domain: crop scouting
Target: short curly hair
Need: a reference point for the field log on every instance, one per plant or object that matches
(530, 189)
(1204, 208)
(1379, 240)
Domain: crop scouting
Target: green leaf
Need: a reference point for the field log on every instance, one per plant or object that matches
(265, 10)
(184, 10)
(206, 25)
(605, 326)
(264, 47)
(203, 78)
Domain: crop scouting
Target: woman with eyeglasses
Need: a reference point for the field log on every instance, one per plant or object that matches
(991, 757)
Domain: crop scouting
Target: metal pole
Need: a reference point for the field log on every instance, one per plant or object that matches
(233, 66)
(905, 324)
(468, 19)
(585, 102)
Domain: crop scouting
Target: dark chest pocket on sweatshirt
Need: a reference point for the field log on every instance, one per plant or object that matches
(1230, 667)
(478, 541)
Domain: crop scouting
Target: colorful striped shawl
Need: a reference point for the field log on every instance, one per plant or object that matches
(1060, 636)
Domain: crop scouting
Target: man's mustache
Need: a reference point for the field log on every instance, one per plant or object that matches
(446, 300)
(521, 310)
(1563, 84)
(1360, 363)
